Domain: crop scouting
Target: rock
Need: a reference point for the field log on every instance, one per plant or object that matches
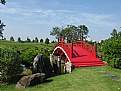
(42, 65)
(33, 79)
(109, 75)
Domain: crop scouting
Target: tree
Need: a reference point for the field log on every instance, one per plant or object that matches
(53, 41)
(82, 32)
(12, 39)
(119, 34)
(3, 2)
(19, 39)
(69, 32)
(1, 29)
(114, 33)
(111, 50)
(47, 41)
(33, 40)
(57, 32)
(28, 40)
(36, 40)
(41, 40)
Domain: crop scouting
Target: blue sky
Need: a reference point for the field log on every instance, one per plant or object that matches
(36, 18)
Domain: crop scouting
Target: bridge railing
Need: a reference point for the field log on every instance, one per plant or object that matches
(88, 47)
(65, 46)
(69, 48)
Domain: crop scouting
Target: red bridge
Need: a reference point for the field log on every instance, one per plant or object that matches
(79, 53)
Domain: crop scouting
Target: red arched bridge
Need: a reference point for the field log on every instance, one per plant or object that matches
(79, 53)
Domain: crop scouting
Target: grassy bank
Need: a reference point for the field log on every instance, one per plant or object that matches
(26, 45)
(81, 79)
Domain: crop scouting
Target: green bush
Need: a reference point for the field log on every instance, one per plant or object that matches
(111, 52)
(9, 64)
(29, 55)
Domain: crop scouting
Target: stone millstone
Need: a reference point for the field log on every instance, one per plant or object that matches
(25, 81)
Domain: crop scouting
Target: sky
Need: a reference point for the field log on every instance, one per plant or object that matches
(36, 18)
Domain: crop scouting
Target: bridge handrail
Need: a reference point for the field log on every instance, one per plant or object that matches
(64, 45)
(85, 45)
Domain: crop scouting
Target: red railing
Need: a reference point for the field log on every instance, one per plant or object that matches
(65, 46)
(69, 48)
(88, 47)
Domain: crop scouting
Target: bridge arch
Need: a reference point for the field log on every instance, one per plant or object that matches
(56, 48)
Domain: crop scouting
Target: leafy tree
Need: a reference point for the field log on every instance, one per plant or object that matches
(28, 40)
(69, 32)
(4, 38)
(111, 50)
(33, 40)
(3, 2)
(47, 41)
(114, 33)
(82, 31)
(119, 34)
(36, 40)
(41, 40)
(53, 41)
(57, 32)
(1, 29)
(12, 39)
(19, 39)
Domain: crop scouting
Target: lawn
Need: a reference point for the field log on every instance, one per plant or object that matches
(81, 79)
(26, 45)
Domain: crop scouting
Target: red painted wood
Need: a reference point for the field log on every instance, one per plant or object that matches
(80, 53)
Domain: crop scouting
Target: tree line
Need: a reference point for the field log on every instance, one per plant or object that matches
(28, 40)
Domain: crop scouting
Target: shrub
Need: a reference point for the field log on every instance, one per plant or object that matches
(28, 56)
(112, 52)
(9, 64)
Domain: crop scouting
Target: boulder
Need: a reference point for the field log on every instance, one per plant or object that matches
(33, 79)
(42, 64)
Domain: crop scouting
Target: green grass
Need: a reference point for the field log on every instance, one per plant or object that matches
(81, 79)
(26, 45)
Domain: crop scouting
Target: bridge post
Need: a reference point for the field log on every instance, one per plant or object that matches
(81, 43)
(59, 65)
(71, 51)
(95, 51)
(62, 41)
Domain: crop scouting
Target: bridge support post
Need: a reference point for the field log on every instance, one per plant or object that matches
(71, 51)
(95, 51)
(59, 65)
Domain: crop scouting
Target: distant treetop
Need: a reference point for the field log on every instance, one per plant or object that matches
(3, 1)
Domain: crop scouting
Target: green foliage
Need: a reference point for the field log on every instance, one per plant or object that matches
(12, 39)
(114, 33)
(1, 28)
(112, 50)
(69, 32)
(28, 40)
(47, 41)
(9, 64)
(36, 40)
(41, 40)
(29, 55)
(19, 39)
